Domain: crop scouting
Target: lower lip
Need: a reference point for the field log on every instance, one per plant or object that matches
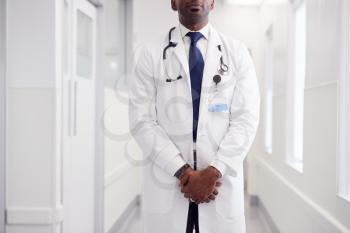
(195, 8)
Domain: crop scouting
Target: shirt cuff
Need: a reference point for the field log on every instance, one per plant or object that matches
(175, 164)
(220, 166)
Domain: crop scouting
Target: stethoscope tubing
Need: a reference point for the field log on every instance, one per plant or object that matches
(222, 70)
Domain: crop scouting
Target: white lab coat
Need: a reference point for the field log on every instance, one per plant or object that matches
(161, 123)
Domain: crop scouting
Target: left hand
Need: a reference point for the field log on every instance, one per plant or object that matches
(200, 185)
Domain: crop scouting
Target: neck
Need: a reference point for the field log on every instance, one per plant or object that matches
(194, 26)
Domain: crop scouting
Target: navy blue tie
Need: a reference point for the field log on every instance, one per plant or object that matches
(196, 65)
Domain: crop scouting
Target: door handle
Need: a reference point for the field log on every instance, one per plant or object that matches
(69, 102)
(75, 130)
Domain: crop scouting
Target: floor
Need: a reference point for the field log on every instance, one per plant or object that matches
(254, 221)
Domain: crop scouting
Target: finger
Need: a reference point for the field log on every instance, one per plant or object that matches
(212, 197)
(187, 189)
(218, 184)
(205, 200)
(201, 200)
(195, 199)
(184, 180)
(215, 192)
(184, 189)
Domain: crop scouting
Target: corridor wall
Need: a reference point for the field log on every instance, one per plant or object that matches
(305, 202)
(122, 177)
(123, 158)
(33, 200)
(122, 155)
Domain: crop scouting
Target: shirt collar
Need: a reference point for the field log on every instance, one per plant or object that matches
(204, 31)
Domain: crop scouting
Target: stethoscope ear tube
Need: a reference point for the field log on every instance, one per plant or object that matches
(170, 45)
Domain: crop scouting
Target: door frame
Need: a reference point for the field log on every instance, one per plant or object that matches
(99, 108)
(68, 111)
(2, 114)
(268, 89)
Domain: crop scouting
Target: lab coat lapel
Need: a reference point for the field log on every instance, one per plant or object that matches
(212, 63)
(180, 53)
(212, 60)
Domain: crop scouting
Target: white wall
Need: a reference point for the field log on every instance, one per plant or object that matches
(305, 202)
(152, 20)
(241, 23)
(32, 137)
(122, 177)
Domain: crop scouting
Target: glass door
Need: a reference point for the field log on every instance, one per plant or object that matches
(80, 157)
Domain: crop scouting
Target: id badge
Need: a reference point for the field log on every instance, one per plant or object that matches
(218, 104)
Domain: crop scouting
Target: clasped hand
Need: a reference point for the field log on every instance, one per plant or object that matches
(200, 186)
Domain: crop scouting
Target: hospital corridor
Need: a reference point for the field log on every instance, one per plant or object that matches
(94, 107)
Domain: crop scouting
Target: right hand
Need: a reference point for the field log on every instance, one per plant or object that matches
(190, 186)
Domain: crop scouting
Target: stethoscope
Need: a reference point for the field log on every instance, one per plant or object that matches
(222, 70)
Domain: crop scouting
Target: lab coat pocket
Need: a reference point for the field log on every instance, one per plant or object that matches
(170, 77)
(158, 190)
(230, 200)
(166, 82)
(169, 88)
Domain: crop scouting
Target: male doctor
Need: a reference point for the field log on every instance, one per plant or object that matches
(194, 111)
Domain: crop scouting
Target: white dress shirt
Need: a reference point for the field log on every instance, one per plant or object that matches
(202, 44)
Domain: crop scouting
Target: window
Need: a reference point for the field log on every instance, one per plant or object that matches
(84, 45)
(268, 105)
(295, 114)
(343, 157)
